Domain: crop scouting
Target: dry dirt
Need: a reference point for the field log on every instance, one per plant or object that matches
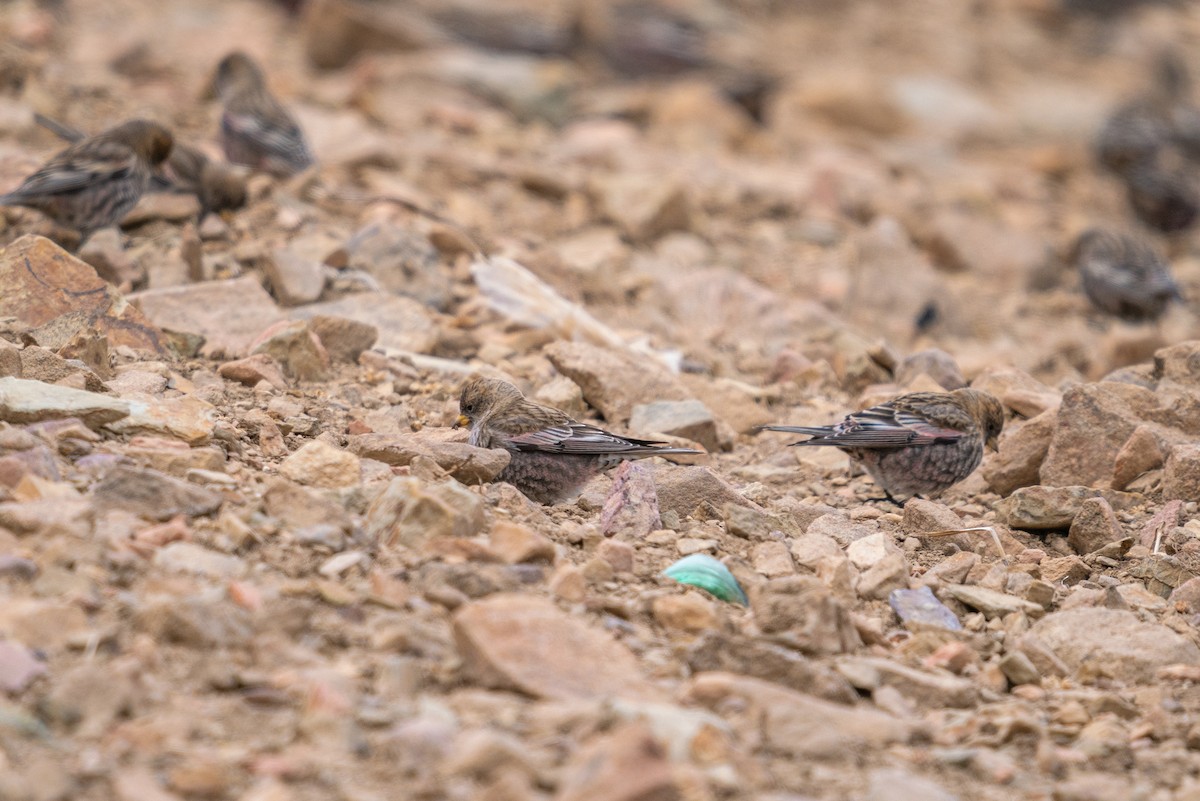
(243, 556)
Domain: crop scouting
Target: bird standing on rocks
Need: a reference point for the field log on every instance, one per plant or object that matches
(217, 186)
(917, 444)
(96, 181)
(1164, 199)
(1123, 276)
(256, 130)
(1151, 143)
(553, 456)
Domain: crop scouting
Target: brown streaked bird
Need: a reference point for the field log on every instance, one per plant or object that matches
(1123, 275)
(1159, 118)
(96, 181)
(218, 187)
(1162, 198)
(917, 444)
(256, 130)
(553, 456)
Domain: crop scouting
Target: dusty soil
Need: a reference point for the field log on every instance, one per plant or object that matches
(243, 556)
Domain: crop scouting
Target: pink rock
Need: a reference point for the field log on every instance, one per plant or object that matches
(631, 509)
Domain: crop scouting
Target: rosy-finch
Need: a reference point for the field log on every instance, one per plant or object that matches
(256, 130)
(553, 456)
(96, 181)
(217, 186)
(1161, 117)
(920, 443)
(1123, 276)
(1163, 198)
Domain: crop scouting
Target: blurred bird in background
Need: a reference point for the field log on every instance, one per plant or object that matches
(256, 130)
(96, 181)
(1123, 275)
(217, 186)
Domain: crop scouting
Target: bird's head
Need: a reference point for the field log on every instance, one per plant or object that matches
(151, 141)
(483, 398)
(988, 412)
(236, 70)
(222, 187)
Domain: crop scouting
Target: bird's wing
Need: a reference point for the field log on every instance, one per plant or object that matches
(275, 132)
(578, 438)
(892, 425)
(73, 170)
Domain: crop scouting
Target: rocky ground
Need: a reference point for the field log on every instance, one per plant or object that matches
(243, 556)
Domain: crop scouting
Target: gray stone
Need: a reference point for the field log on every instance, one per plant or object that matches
(527, 644)
(897, 784)
(1096, 642)
(615, 380)
(937, 364)
(402, 260)
(991, 602)
(154, 495)
(1019, 669)
(1022, 449)
(802, 612)
(468, 464)
(411, 512)
(227, 314)
(403, 324)
(1040, 508)
(682, 489)
(931, 690)
(1181, 478)
(888, 574)
(796, 724)
(344, 339)
(295, 277)
(26, 401)
(188, 557)
(920, 608)
(689, 419)
(1095, 525)
(1093, 422)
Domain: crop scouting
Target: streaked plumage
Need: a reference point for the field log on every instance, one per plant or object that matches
(1133, 135)
(1164, 199)
(256, 130)
(217, 186)
(1123, 275)
(553, 456)
(96, 181)
(917, 444)
(1138, 130)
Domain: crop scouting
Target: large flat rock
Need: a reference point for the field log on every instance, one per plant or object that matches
(25, 401)
(228, 314)
(45, 287)
(527, 644)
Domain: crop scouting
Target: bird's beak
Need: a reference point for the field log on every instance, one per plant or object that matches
(993, 443)
(462, 422)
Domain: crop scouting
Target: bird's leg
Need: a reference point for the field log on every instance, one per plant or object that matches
(889, 498)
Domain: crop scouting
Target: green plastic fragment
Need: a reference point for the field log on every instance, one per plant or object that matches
(701, 570)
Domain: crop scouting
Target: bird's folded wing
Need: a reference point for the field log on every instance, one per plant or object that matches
(281, 137)
(578, 438)
(888, 427)
(78, 172)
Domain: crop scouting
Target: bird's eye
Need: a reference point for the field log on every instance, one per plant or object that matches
(468, 408)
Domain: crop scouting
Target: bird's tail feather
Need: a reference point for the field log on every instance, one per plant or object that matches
(813, 431)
